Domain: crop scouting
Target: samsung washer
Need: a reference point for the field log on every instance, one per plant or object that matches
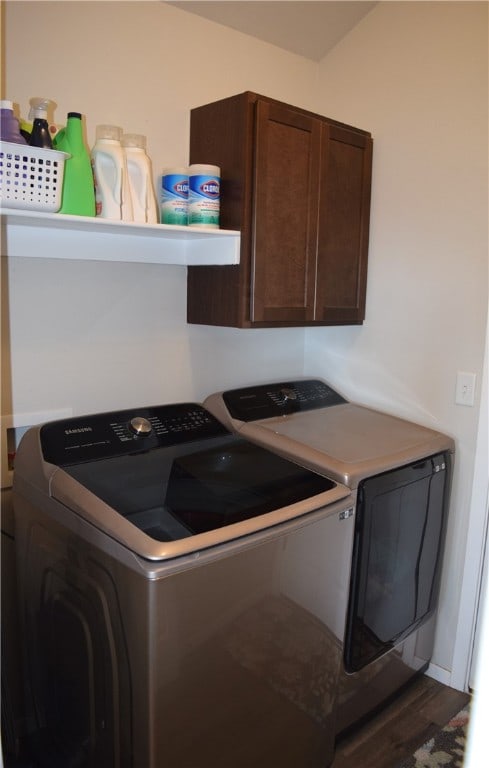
(401, 473)
(177, 605)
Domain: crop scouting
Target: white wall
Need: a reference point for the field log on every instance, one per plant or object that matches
(415, 74)
(476, 751)
(93, 335)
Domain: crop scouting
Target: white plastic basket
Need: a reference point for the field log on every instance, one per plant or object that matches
(30, 177)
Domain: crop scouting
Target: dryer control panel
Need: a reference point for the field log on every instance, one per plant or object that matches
(268, 400)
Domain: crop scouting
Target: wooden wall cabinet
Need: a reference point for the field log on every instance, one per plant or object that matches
(297, 186)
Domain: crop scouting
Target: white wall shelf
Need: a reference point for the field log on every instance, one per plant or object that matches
(59, 236)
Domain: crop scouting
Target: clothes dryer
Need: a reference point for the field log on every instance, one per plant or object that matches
(401, 473)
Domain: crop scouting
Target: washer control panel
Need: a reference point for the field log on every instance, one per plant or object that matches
(105, 435)
(268, 400)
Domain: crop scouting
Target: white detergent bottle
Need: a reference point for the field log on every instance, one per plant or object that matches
(140, 179)
(112, 193)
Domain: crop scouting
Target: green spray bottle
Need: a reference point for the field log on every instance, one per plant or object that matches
(78, 196)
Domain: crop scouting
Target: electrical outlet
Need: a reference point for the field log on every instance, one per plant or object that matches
(465, 388)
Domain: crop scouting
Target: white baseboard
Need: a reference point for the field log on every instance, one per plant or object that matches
(439, 674)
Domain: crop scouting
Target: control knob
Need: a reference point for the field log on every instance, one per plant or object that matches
(287, 394)
(140, 426)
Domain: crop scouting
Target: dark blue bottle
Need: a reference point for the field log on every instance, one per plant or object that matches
(40, 136)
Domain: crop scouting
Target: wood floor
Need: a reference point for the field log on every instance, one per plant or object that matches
(395, 733)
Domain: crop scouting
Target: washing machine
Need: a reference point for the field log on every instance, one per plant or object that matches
(401, 474)
(183, 595)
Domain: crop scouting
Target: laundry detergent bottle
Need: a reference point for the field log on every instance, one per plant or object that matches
(140, 177)
(112, 192)
(9, 125)
(78, 195)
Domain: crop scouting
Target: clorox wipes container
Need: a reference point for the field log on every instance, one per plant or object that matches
(174, 196)
(204, 193)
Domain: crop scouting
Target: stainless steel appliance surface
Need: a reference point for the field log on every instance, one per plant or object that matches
(177, 604)
(401, 473)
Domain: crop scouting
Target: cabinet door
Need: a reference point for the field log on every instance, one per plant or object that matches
(344, 209)
(285, 208)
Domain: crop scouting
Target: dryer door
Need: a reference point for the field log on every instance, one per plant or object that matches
(400, 526)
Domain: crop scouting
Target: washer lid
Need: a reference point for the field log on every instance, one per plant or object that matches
(170, 480)
(156, 534)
